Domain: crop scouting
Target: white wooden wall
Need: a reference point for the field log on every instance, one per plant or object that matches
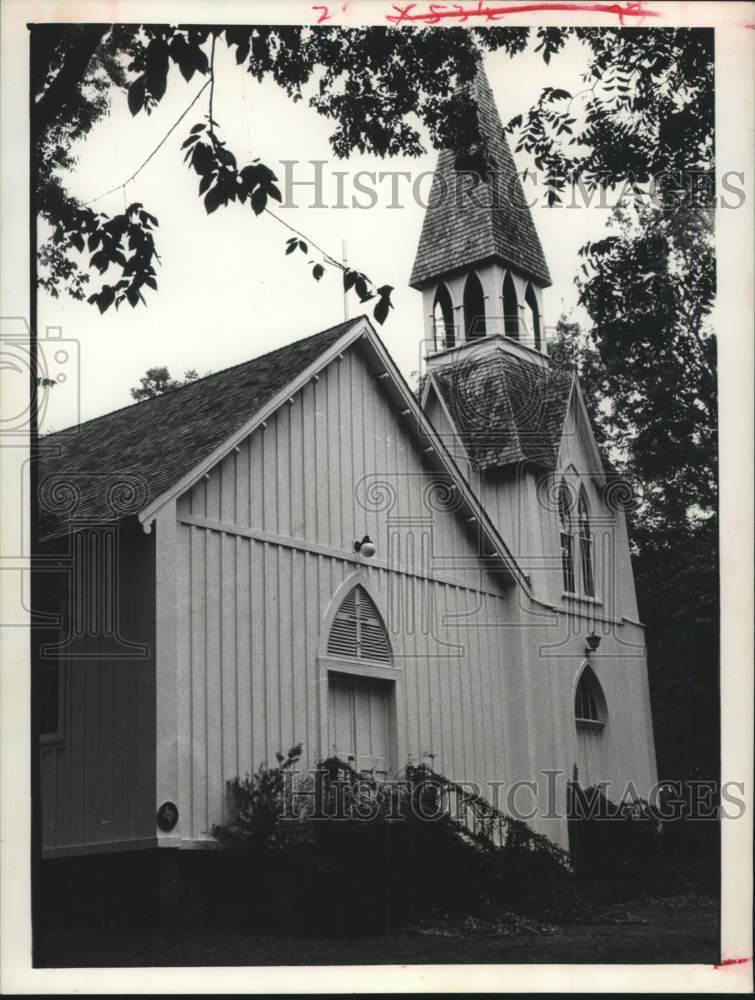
(265, 546)
(263, 552)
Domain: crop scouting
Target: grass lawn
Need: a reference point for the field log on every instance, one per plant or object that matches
(678, 930)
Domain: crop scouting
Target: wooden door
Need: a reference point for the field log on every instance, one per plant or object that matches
(359, 722)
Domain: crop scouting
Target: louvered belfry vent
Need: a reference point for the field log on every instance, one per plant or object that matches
(358, 631)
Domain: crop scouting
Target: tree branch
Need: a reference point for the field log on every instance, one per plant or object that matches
(70, 76)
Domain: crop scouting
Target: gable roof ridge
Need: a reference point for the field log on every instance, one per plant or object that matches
(123, 462)
(346, 324)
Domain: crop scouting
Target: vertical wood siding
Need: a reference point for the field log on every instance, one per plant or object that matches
(267, 541)
(98, 781)
(332, 467)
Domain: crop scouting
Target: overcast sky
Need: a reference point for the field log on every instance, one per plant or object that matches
(227, 292)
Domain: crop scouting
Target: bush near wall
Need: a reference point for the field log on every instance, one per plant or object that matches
(352, 874)
(617, 849)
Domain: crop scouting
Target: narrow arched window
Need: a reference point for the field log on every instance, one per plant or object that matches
(585, 545)
(567, 536)
(531, 299)
(358, 631)
(443, 319)
(589, 702)
(510, 308)
(474, 308)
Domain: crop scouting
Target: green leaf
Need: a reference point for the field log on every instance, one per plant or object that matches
(317, 271)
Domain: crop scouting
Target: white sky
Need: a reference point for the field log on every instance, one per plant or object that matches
(226, 291)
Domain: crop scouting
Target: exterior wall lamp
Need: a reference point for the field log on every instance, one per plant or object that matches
(593, 642)
(366, 547)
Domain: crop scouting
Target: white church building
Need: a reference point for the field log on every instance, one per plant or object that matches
(302, 549)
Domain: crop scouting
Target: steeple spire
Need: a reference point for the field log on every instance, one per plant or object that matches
(479, 264)
(465, 226)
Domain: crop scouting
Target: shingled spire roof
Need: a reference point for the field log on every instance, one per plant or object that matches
(464, 227)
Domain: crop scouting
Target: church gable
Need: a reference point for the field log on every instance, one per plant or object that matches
(342, 459)
(122, 462)
(576, 445)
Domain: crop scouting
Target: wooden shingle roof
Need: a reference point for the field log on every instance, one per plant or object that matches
(115, 465)
(465, 226)
(506, 409)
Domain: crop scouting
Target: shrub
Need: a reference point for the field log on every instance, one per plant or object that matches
(617, 849)
(341, 853)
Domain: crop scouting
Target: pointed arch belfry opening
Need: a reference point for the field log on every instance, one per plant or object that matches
(474, 308)
(510, 308)
(443, 319)
(531, 300)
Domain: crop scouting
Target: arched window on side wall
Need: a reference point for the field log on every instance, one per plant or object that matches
(443, 319)
(531, 299)
(590, 719)
(510, 308)
(358, 632)
(567, 536)
(474, 309)
(589, 703)
(585, 545)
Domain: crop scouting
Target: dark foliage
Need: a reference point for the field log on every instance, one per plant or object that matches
(646, 110)
(157, 381)
(648, 372)
(617, 849)
(364, 857)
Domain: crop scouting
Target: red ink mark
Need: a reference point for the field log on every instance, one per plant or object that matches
(326, 15)
(437, 12)
(731, 961)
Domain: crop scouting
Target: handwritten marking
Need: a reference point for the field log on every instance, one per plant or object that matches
(438, 12)
(326, 15)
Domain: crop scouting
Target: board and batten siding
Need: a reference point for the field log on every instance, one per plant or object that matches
(97, 780)
(265, 545)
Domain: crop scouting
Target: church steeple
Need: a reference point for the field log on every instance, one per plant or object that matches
(479, 263)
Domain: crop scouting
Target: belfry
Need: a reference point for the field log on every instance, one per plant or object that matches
(479, 263)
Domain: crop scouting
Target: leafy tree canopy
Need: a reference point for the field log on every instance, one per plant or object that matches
(157, 381)
(645, 112)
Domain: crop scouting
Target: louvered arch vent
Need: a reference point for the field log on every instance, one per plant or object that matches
(358, 631)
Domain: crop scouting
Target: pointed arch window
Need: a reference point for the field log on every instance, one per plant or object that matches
(474, 309)
(358, 631)
(567, 536)
(585, 545)
(589, 702)
(531, 299)
(510, 308)
(443, 319)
